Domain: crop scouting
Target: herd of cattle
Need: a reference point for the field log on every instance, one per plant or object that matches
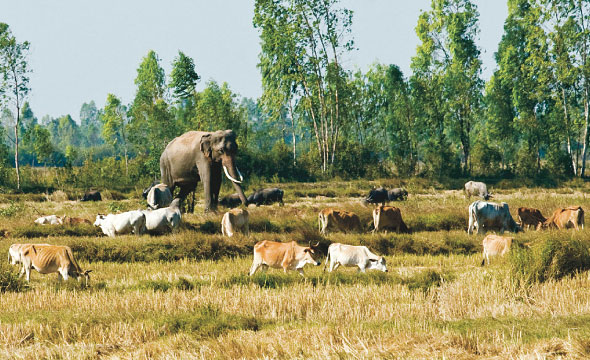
(164, 215)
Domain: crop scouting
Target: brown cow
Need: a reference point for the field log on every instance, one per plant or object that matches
(47, 259)
(286, 256)
(494, 245)
(340, 220)
(388, 217)
(75, 221)
(572, 216)
(530, 217)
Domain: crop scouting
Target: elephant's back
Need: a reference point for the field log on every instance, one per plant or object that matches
(184, 142)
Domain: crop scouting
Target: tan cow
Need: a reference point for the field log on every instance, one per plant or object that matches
(339, 220)
(530, 217)
(388, 217)
(235, 220)
(569, 217)
(494, 245)
(47, 259)
(286, 256)
(75, 221)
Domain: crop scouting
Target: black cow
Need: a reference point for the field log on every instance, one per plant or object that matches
(382, 195)
(92, 196)
(266, 197)
(230, 201)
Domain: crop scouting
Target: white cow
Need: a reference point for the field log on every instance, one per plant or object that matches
(235, 220)
(485, 216)
(159, 196)
(163, 220)
(350, 255)
(124, 223)
(49, 220)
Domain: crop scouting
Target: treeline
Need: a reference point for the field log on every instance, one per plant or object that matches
(317, 119)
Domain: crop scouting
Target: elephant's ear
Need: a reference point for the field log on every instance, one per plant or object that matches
(206, 145)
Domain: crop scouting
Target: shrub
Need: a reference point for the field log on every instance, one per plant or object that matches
(552, 258)
(35, 231)
(9, 280)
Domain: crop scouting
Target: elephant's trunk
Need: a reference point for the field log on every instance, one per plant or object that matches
(232, 173)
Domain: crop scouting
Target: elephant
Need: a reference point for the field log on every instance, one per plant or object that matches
(200, 156)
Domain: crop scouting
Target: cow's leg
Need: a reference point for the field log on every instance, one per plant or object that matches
(64, 273)
(255, 266)
(334, 265)
(247, 230)
(300, 270)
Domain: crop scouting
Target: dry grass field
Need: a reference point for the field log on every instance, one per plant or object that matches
(187, 295)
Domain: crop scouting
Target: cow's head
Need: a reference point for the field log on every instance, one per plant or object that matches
(378, 264)
(99, 219)
(311, 255)
(85, 275)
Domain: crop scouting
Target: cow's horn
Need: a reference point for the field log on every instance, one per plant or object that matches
(229, 176)
(239, 173)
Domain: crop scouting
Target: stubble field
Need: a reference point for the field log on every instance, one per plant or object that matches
(187, 295)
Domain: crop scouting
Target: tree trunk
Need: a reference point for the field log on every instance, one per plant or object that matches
(293, 132)
(567, 132)
(587, 126)
(16, 153)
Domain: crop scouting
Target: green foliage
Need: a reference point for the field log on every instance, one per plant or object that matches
(9, 280)
(183, 77)
(11, 210)
(208, 322)
(549, 259)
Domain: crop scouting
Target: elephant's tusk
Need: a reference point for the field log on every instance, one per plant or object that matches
(239, 173)
(229, 176)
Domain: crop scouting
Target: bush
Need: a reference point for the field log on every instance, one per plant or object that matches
(549, 259)
(35, 231)
(9, 280)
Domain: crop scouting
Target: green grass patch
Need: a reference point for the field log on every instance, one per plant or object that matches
(549, 258)
(9, 280)
(37, 231)
(207, 322)
(528, 329)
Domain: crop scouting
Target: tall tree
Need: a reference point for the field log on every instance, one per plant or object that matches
(114, 129)
(15, 72)
(152, 123)
(302, 44)
(183, 77)
(447, 70)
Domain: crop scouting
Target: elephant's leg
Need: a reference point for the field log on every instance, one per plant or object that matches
(182, 194)
(205, 172)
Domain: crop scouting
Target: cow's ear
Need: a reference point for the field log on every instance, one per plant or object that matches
(206, 145)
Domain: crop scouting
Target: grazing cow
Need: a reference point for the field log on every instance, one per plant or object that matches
(266, 197)
(92, 196)
(382, 195)
(339, 220)
(397, 194)
(530, 217)
(75, 221)
(569, 217)
(286, 256)
(47, 259)
(474, 188)
(235, 220)
(495, 245)
(124, 223)
(49, 220)
(231, 201)
(159, 196)
(490, 216)
(388, 217)
(349, 255)
(163, 220)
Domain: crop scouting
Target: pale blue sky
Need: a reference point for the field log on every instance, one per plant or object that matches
(82, 50)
